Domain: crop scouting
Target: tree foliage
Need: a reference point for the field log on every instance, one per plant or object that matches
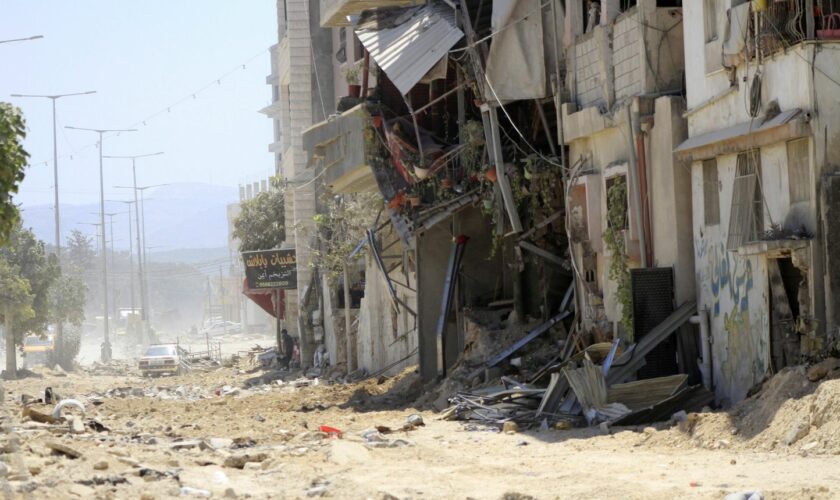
(261, 223)
(342, 224)
(15, 293)
(619, 270)
(27, 257)
(13, 160)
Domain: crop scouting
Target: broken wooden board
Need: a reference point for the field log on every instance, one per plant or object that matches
(646, 393)
(690, 399)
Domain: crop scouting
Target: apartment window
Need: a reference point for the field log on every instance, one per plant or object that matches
(746, 217)
(799, 175)
(710, 18)
(617, 207)
(341, 53)
(711, 193)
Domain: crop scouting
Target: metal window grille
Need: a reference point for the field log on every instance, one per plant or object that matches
(746, 217)
(711, 193)
(799, 175)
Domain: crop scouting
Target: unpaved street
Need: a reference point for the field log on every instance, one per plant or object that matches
(176, 436)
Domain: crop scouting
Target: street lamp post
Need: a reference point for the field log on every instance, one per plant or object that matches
(130, 251)
(141, 249)
(106, 345)
(140, 255)
(54, 98)
(36, 37)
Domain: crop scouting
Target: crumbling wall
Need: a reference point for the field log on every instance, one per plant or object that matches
(734, 290)
(831, 238)
(386, 333)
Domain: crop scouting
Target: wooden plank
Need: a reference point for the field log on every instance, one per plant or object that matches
(646, 393)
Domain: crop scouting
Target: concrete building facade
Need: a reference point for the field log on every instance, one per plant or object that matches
(763, 155)
(621, 122)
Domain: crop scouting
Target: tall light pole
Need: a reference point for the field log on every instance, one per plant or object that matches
(144, 318)
(36, 37)
(54, 98)
(106, 345)
(130, 251)
(141, 226)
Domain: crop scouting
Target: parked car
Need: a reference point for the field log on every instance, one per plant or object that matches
(163, 358)
(221, 328)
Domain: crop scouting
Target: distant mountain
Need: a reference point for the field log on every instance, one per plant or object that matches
(179, 216)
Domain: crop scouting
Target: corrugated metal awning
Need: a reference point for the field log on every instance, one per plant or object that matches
(408, 43)
(756, 133)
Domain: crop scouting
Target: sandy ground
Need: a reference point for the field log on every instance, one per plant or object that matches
(276, 426)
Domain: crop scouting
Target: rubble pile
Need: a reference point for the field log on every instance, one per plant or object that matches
(793, 411)
(556, 379)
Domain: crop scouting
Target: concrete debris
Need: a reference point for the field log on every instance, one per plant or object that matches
(413, 421)
(61, 449)
(111, 480)
(196, 492)
(101, 465)
(37, 416)
(186, 444)
(746, 495)
(821, 369)
(374, 439)
(77, 426)
(239, 461)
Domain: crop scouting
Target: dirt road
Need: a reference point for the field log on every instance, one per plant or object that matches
(191, 435)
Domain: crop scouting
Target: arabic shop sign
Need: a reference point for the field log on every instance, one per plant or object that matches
(271, 269)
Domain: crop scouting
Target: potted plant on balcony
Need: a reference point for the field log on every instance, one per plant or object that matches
(351, 74)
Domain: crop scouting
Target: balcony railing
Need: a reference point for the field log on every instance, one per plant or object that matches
(637, 53)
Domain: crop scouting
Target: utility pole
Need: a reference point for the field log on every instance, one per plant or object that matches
(54, 98)
(106, 344)
(36, 37)
(141, 238)
(222, 296)
(130, 252)
(59, 327)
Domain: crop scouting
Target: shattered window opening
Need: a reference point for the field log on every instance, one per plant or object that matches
(746, 217)
(799, 176)
(711, 193)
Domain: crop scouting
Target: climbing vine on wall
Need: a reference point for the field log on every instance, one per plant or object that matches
(614, 239)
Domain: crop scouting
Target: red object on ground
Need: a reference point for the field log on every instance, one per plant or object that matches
(332, 431)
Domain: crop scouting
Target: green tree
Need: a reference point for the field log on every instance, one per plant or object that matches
(16, 307)
(66, 299)
(80, 252)
(13, 159)
(26, 255)
(261, 223)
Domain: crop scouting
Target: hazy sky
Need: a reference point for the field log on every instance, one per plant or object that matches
(140, 57)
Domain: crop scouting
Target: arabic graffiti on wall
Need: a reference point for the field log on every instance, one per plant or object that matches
(730, 274)
(271, 269)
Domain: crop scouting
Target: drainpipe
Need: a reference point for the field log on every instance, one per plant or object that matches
(643, 184)
(634, 186)
(705, 361)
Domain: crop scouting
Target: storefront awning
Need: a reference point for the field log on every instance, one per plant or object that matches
(265, 299)
(787, 125)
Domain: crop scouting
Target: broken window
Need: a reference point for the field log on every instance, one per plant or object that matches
(746, 217)
(617, 193)
(710, 18)
(341, 53)
(799, 176)
(711, 193)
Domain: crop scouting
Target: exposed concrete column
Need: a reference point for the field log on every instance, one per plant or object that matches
(609, 11)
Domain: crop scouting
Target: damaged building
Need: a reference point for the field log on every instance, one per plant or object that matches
(466, 177)
(762, 152)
